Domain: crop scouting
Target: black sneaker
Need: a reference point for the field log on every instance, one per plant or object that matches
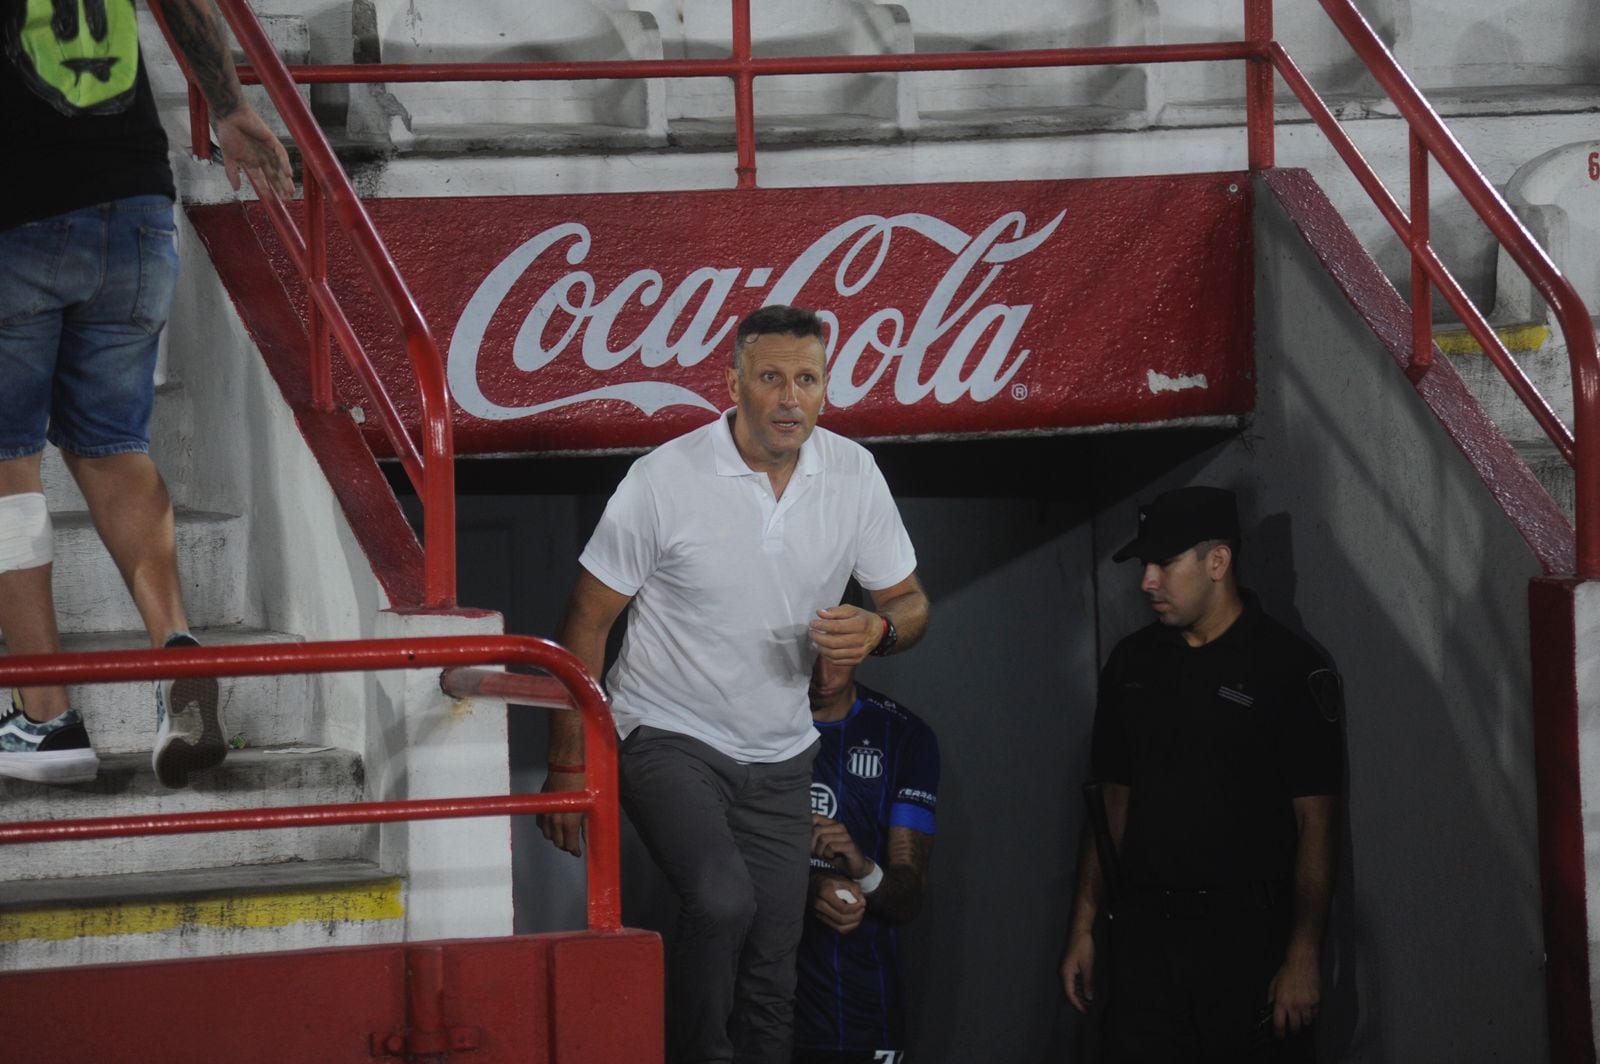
(189, 729)
(56, 751)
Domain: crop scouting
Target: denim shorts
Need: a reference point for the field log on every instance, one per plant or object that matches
(83, 298)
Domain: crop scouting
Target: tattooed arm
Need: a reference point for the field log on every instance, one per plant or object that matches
(905, 876)
(247, 143)
(898, 895)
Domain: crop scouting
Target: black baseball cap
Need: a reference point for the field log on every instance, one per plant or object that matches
(1179, 519)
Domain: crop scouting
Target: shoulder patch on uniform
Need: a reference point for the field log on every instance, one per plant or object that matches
(1327, 693)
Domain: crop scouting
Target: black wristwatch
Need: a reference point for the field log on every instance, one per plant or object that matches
(890, 637)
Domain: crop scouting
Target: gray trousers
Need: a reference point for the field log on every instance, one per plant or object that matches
(733, 841)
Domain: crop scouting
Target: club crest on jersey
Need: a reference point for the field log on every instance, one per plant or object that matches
(866, 762)
(823, 802)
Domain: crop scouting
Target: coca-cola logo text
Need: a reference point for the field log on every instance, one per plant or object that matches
(954, 344)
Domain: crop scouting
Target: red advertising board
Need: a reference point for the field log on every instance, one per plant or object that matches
(601, 322)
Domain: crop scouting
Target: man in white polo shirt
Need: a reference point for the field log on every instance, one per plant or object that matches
(733, 544)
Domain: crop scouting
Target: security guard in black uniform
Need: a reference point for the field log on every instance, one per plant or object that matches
(1219, 758)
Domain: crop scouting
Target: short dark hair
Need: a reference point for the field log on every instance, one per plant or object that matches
(1206, 546)
(777, 320)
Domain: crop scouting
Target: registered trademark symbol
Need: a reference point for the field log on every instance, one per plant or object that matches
(1019, 391)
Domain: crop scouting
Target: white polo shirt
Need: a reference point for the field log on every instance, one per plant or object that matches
(726, 580)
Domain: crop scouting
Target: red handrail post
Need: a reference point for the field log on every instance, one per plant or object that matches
(605, 826)
(432, 472)
(199, 124)
(316, 321)
(1421, 287)
(1260, 84)
(438, 512)
(744, 96)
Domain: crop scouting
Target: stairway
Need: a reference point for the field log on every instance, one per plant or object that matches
(186, 895)
(267, 554)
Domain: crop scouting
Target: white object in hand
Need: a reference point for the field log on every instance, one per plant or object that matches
(844, 896)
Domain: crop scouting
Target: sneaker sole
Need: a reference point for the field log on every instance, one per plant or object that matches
(51, 766)
(192, 735)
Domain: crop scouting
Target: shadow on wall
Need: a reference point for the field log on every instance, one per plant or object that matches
(1269, 557)
(1439, 762)
(1433, 646)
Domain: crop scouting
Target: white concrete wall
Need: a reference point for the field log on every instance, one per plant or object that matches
(1455, 44)
(305, 573)
(424, 744)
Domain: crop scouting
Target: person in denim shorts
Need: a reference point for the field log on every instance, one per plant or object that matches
(88, 265)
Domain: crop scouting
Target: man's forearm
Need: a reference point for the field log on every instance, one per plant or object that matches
(585, 624)
(909, 614)
(899, 896)
(566, 726)
(1086, 902)
(1315, 859)
(1091, 878)
(198, 31)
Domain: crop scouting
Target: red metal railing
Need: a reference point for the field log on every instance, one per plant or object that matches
(1431, 140)
(431, 468)
(571, 684)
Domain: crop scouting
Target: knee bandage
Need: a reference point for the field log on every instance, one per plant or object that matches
(26, 538)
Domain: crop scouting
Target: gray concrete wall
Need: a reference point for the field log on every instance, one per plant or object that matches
(1365, 527)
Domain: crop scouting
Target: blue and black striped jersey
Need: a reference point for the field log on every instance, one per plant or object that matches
(877, 768)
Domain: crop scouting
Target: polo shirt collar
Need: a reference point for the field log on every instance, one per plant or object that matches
(731, 464)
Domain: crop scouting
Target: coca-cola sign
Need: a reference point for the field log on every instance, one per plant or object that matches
(578, 323)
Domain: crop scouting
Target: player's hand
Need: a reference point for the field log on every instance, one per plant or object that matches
(1077, 972)
(831, 841)
(1295, 994)
(845, 635)
(838, 903)
(563, 829)
(250, 147)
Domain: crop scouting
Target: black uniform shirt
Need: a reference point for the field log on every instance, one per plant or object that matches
(1215, 743)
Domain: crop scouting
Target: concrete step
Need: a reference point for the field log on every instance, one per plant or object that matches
(90, 595)
(1554, 472)
(171, 445)
(259, 710)
(1543, 357)
(126, 786)
(1540, 355)
(198, 913)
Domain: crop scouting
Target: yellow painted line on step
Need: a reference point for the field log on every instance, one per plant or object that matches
(1517, 338)
(373, 901)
